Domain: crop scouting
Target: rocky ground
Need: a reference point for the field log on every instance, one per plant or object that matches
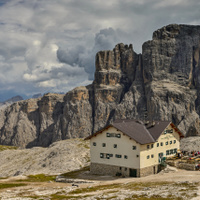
(190, 144)
(60, 157)
(18, 181)
(167, 185)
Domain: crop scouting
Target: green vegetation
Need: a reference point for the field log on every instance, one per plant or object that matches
(95, 188)
(113, 188)
(4, 147)
(10, 185)
(76, 173)
(141, 186)
(84, 144)
(60, 196)
(39, 178)
(153, 197)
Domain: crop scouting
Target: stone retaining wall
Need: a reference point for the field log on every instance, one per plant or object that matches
(111, 170)
(181, 165)
(186, 166)
(149, 170)
(102, 169)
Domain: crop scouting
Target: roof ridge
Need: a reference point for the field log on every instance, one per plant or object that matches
(149, 132)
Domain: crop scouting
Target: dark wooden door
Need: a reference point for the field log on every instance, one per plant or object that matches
(133, 172)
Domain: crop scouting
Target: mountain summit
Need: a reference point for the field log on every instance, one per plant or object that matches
(162, 83)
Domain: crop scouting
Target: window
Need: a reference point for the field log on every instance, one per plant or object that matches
(170, 142)
(125, 169)
(101, 155)
(157, 144)
(108, 156)
(120, 168)
(152, 155)
(175, 150)
(168, 131)
(125, 157)
(148, 146)
(94, 144)
(113, 135)
(171, 151)
(137, 156)
(166, 143)
(111, 155)
(103, 144)
(161, 144)
(167, 152)
(118, 156)
(115, 145)
(160, 155)
(118, 135)
(151, 145)
(147, 157)
(134, 147)
(174, 141)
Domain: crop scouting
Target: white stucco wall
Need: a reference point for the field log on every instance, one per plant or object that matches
(124, 147)
(144, 162)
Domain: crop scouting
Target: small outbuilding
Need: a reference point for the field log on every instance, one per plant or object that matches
(132, 148)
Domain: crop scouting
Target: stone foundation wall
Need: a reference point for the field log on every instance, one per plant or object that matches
(111, 170)
(103, 169)
(186, 166)
(181, 165)
(149, 170)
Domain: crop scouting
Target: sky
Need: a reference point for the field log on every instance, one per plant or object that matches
(50, 45)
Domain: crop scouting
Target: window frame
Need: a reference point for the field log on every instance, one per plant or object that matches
(174, 141)
(101, 155)
(134, 147)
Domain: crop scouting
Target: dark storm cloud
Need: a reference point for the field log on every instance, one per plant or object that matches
(53, 45)
(105, 39)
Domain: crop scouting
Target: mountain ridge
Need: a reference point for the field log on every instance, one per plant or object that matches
(162, 83)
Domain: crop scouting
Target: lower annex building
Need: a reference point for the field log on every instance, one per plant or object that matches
(132, 148)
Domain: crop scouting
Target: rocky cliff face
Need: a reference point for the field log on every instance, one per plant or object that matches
(162, 83)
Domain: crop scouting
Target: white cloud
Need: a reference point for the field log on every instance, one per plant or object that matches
(52, 45)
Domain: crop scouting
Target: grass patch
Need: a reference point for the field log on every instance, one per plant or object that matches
(39, 178)
(76, 173)
(3, 178)
(95, 188)
(59, 196)
(11, 185)
(84, 144)
(153, 197)
(4, 147)
(141, 186)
